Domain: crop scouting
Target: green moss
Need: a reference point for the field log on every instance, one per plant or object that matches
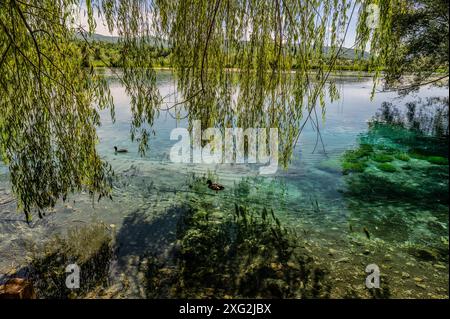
(386, 149)
(438, 160)
(349, 167)
(366, 148)
(407, 167)
(403, 157)
(416, 156)
(382, 158)
(386, 167)
(359, 154)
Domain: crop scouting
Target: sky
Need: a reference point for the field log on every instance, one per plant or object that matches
(103, 29)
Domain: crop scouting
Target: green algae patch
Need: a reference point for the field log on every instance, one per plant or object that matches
(356, 155)
(348, 167)
(417, 155)
(382, 158)
(414, 180)
(355, 161)
(438, 160)
(386, 167)
(402, 157)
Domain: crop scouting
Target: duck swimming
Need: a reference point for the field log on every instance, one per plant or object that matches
(120, 150)
(214, 186)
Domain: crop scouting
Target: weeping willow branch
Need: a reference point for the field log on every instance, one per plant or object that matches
(245, 63)
(414, 86)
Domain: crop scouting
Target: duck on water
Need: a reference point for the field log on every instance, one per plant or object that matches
(214, 186)
(120, 150)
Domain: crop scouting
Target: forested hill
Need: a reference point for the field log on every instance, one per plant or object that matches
(346, 53)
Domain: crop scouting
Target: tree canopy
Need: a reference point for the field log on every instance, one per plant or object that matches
(421, 33)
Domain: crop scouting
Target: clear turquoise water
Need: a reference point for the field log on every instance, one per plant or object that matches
(310, 195)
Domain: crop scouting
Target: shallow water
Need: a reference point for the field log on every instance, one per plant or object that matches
(311, 195)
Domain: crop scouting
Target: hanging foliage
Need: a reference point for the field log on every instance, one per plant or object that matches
(233, 61)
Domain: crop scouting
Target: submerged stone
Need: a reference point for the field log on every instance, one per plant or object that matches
(424, 254)
(17, 288)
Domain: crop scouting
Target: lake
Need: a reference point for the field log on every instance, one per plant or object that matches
(343, 225)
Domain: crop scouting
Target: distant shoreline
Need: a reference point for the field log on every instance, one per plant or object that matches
(333, 72)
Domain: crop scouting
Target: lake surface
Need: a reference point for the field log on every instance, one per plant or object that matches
(311, 196)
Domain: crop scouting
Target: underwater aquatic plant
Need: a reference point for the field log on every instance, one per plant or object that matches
(357, 155)
(403, 157)
(415, 154)
(438, 160)
(386, 167)
(356, 160)
(240, 253)
(348, 167)
(382, 158)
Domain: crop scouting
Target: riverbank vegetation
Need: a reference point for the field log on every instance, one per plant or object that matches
(107, 51)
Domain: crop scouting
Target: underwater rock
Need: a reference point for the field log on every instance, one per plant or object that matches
(276, 266)
(17, 288)
(424, 254)
(439, 266)
(276, 287)
(292, 265)
(421, 285)
(343, 260)
(332, 251)
(366, 231)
